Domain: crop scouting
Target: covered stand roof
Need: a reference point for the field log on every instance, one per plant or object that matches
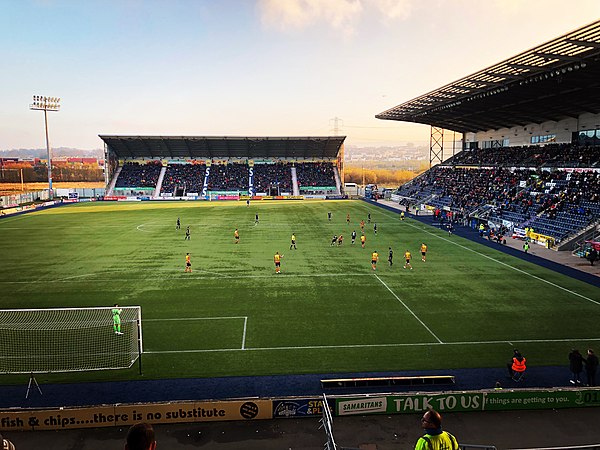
(556, 80)
(223, 147)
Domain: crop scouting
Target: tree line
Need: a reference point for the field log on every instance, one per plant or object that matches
(383, 177)
(28, 173)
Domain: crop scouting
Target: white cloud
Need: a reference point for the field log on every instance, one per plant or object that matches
(340, 15)
(394, 9)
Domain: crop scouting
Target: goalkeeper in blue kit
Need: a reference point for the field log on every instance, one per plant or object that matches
(116, 312)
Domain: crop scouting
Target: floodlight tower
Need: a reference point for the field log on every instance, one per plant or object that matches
(46, 104)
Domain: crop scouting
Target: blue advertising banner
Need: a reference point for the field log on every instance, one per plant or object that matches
(299, 407)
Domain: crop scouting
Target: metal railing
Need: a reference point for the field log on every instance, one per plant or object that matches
(573, 447)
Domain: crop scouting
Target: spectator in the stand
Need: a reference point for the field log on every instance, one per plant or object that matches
(435, 438)
(6, 444)
(575, 366)
(140, 437)
(591, 367)
(592, 255)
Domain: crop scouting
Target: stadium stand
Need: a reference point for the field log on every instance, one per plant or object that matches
(529, 132)
(548, 197)
(276, 163)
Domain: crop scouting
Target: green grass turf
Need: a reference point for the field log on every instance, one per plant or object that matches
(467, 306)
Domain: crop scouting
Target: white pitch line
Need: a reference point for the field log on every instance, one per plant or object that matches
(503, 263)
(141, 227)
(86, 275)
(221, 275)
(195, 318)
(329, 347)
(186, 277)
(70, 227)
(218, 275)
(409, 310)
(244, 335)
(208, 318)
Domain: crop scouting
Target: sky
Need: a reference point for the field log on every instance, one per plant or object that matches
(251, 67)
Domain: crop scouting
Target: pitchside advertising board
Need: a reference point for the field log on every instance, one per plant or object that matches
(300, 407)
(117, 415)
(175, 412)
(467, 401)
(253, 409)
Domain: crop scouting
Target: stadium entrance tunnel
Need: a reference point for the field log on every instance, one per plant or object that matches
(388, 381)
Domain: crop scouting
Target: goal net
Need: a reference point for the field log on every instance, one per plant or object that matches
(69, 339)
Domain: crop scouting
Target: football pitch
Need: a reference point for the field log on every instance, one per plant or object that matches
(466, 306)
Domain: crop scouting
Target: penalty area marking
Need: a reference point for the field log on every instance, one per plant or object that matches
(503, 263)
(413, 344)
(409, 310)
(204, 318)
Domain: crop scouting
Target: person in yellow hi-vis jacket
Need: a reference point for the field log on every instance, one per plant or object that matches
(435, 438)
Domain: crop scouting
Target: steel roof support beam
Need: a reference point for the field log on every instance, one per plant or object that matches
(436, 145)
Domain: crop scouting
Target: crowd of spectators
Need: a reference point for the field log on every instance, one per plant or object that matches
(550, 155)
(570, 202)
(315, 174)
(553, 202)
(462, 188)
(188, 177)
(134, 174)
(228, 177)
(268, 175)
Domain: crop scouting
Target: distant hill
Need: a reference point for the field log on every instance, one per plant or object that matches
(60, 151)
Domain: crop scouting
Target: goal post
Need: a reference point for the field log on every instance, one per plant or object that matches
(69, 339)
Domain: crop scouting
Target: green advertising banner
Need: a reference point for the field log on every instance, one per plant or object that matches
(497, 400)
(571, 398)
(318, 188)
(134, 189)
